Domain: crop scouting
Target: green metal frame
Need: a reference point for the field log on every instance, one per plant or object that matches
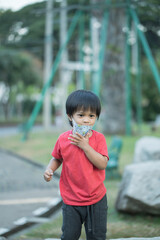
(97, 81)
(81, 75)
(97, 78)
(140, 37)
(128, 75)
(138, 86)
(146, 48)
(38, 105)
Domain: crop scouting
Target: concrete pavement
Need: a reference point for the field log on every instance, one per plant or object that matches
(14, 130)
(25, 197)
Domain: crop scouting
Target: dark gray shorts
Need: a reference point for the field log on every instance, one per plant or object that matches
(93, 216)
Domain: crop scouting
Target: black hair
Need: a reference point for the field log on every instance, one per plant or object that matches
(82, 99)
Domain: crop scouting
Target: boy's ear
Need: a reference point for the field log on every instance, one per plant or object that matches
(70, 120)
(69, 117)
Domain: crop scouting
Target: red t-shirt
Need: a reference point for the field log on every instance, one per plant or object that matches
(81, 183)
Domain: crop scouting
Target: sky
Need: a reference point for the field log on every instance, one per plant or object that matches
(16, 4)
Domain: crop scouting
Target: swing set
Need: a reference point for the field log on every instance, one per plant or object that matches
(96, 66)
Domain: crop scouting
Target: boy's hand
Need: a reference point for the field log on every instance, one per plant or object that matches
(79, 140)
(48, 175)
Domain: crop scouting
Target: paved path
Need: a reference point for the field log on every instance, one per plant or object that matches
(22, 188)
(10, 131)
(14, 130)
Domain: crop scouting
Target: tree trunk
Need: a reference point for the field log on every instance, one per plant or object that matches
(5, 109)
(113, 89)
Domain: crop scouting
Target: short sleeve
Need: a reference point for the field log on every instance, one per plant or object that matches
(102, 146)
(56, 153)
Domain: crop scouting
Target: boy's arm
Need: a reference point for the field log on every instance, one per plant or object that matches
(97, 159)
(51, 168)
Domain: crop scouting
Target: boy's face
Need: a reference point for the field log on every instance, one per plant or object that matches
(87, 118)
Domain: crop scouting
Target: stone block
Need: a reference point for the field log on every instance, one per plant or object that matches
(140, 189)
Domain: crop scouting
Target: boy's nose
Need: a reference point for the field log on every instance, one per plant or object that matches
(86, 120)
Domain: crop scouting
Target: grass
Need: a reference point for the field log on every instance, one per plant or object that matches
(39, 147)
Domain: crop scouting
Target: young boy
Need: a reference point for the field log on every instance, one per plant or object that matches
(84, 156)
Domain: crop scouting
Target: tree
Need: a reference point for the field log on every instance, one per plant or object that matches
(24, 29)
(17, 73)
(113, 90)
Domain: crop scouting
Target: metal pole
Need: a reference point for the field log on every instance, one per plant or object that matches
(95, 48)
(99, 51)
(63, 74)
(103, 40)
(139, 89)
(48, 58)
(81, 77)
(146, 48)
(128, 76)
(137, 71)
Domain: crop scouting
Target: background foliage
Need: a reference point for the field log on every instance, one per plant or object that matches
(23, 30)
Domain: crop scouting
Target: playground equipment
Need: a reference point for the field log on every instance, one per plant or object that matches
(114, 151)
(99, 39)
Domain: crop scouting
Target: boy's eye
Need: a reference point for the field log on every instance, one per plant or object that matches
(92, 115)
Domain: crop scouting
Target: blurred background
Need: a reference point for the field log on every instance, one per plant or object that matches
(50, 48)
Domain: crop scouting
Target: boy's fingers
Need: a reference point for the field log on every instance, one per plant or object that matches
(87, 135)
(47, 178)
(49, 172)
(79, 135)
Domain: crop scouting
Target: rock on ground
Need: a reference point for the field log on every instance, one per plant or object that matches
(146, 149)
(140, 189)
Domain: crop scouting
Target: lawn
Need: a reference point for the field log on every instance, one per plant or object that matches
(38, 148)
